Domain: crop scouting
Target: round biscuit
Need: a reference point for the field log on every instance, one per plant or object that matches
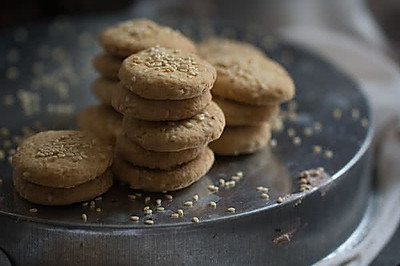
(103, 89)
(107, 65)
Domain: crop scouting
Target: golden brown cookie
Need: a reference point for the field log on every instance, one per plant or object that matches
(242, 140)
(62, 159)
(62, 196)
(135, 35)
(107, 65)
(178, 135)
(103, 121)
(241, 114)
(160, 180)
(138, 156)
(159, 73)
(103, 89)
(134, 106)
(247, 77)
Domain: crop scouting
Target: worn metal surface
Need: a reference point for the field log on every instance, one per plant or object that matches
(257, 234)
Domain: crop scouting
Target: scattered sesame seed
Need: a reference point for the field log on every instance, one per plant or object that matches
(355, 113)
(188, 203)
(168, 197)
(231, 210)
(364, 122)
(149, 222)
(196, 197)
(85, 204)
(195, 220)
(296, 141)
(33, 210)
(230, 183)
(180, 212)
(264, 196)
(148, 212)
(146, 208)
(1, 181)
(307, 131)
(273, 142)
(174, 215)
(328, 154)
(279, 200)
(337, 113)
(84, 217)
(98, 199)
(98, 209)
(317, 149)
(291, 132)
(262, 189)
(138, 195)
(221, 182)
(147, 199)
(160, 209)
(132, 197)
(92, 204)
(134, 218)
(158, 202)
(317, 126)
(213, 188)
(212, 204)
(2, 155)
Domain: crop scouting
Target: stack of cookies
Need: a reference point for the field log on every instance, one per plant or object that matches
(169, 119)
(119, 42)
(250, 88)
(62, 167)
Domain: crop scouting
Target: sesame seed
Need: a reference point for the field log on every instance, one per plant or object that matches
(85, 204)
(337, 113)
(92, 204)
(98, 199)
(262, 189)
(196, 197)
(160, 209)
(296, 141)
(355, 113)
(279, 200)
(98, 209)
(158, 202)
(168, 197)
(291, 132)
(328, 154)
(213, 188)
(230, 183)
(201, 117)
(307, 131)
(84, 217)
(317, 149)
(264, 196)
(174, 215)
(134, 218)
(188, 203)
(132, 197)
(212, 204)
(273, 142)
(195, 220)
(33, 210)
(364, 122)
(317, 126)
(146, 208)
(231, 210)
(221, 182)
(1, 181)
(138, 195)
(148, 212)
(180, 212)
(147, 199)
(149, 222)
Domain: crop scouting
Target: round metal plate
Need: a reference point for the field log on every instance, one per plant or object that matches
(49, 81)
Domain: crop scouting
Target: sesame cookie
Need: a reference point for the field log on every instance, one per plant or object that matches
(160, 180)
(62, 159)
(159, 73)
(103, 121)
(241, 114)
(242, 140)
(63, 196)
(134, 106)
(247, 77)
(103, 89)
(135, 35)
(177, 135)
(138, 156)
(107, 65)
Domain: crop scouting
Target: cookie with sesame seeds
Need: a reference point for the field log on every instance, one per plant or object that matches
(134, 106)
(62, 196)
(248, 77)
(133, 153)
(159, 73)
(62, 159)
(177, 135)
(241, 114)
(135, 35)
(242, 139)
(103, 121)
(103, 89)
(164, 180)
(107, 65)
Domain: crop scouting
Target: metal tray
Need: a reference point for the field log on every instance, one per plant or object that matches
(302, 230)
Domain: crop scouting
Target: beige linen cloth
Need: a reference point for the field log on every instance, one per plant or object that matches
(379, 78)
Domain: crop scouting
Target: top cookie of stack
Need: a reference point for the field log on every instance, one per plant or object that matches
(249, 88)
(169, 119)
